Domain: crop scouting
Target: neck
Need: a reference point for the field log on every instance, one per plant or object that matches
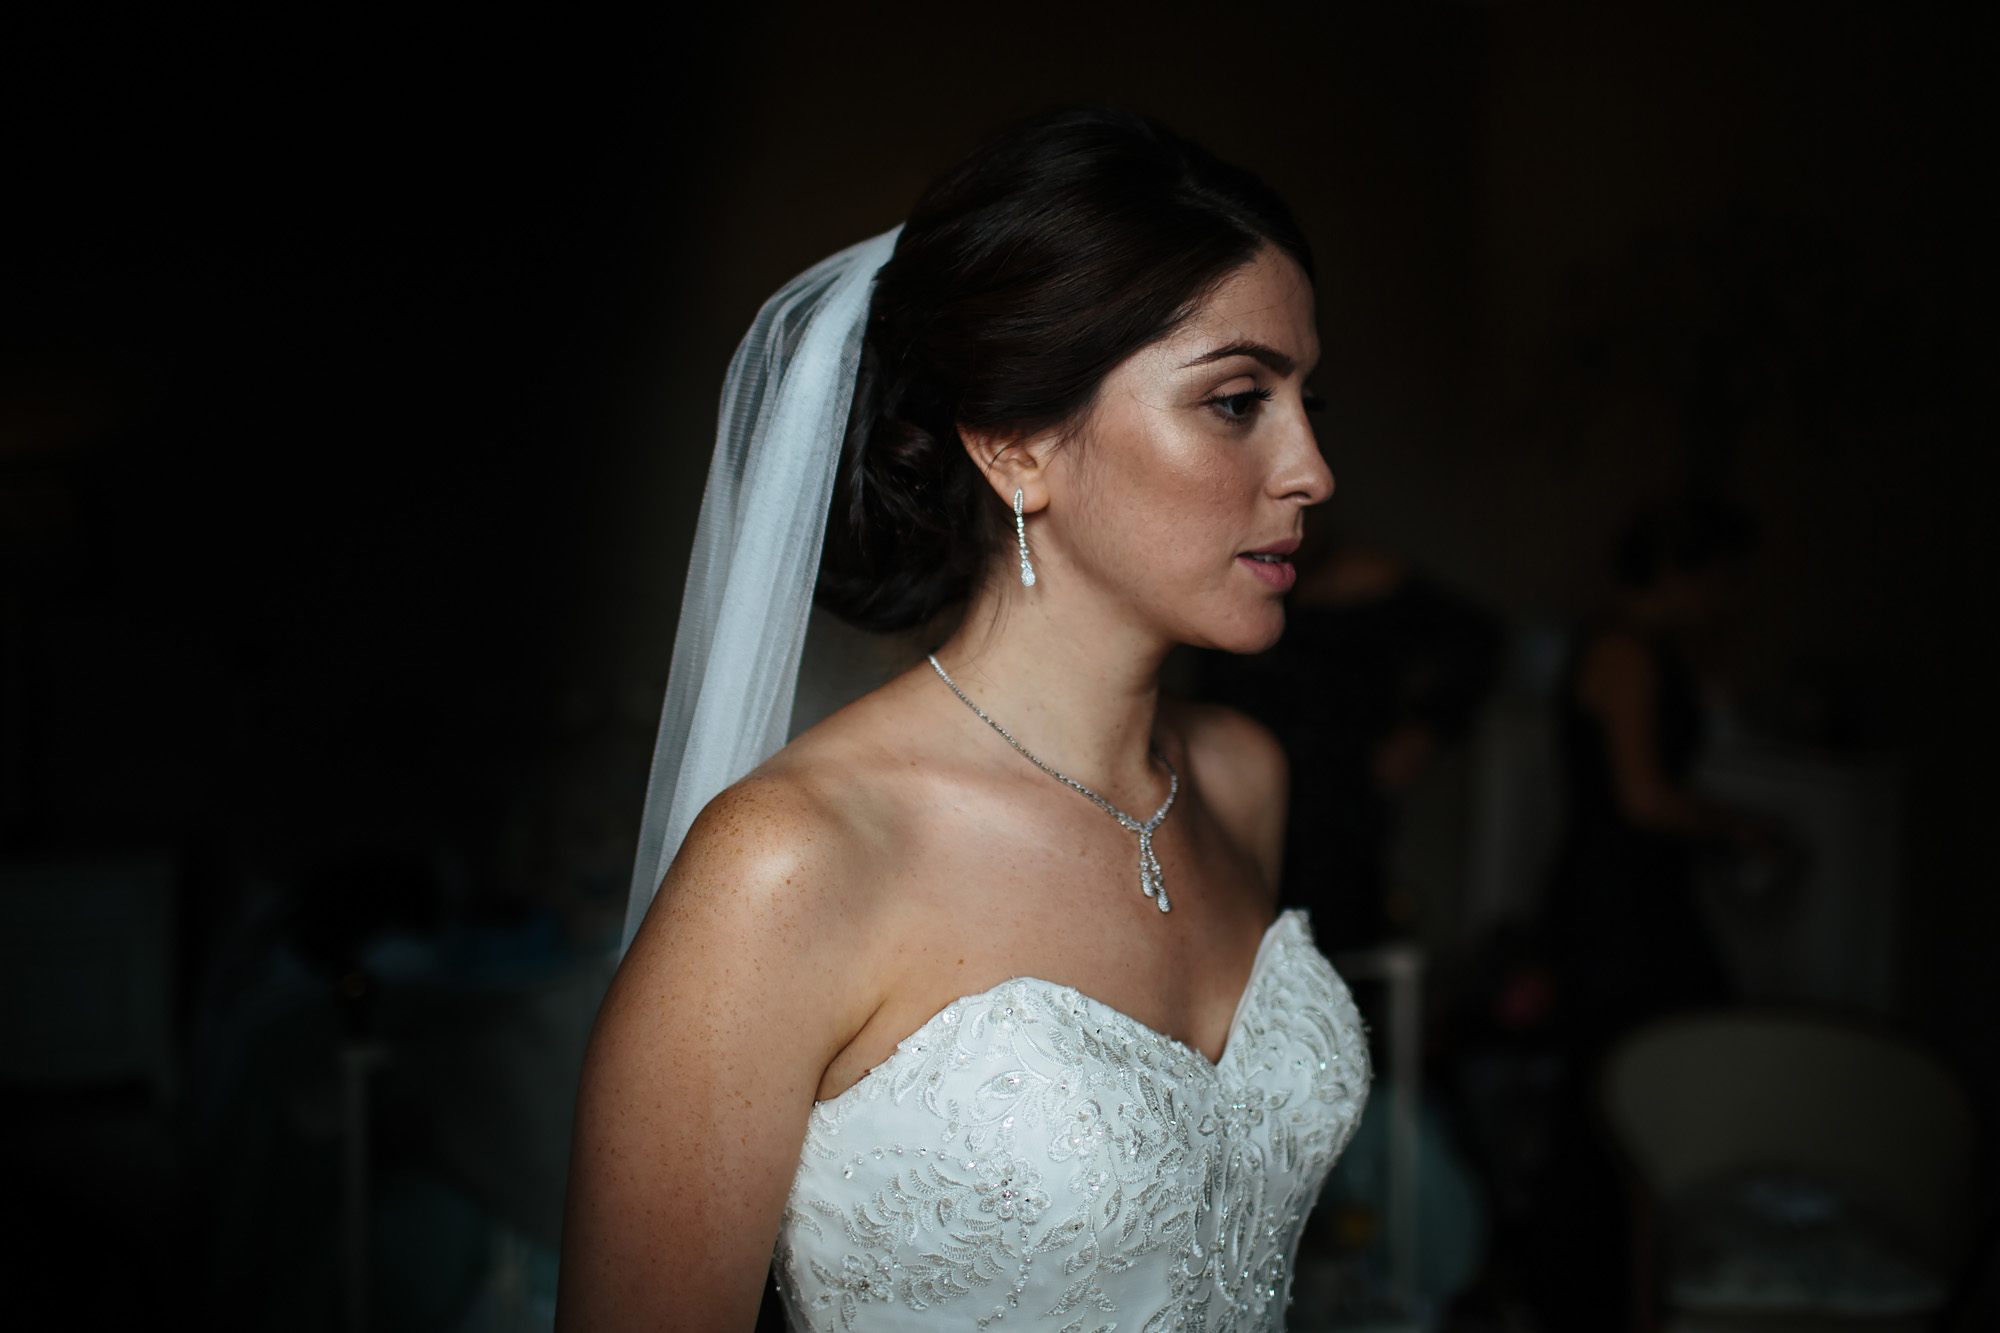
(1078, 688)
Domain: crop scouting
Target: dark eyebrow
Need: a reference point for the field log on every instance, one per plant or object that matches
(1270, 356)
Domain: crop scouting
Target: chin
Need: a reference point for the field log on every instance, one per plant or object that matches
(1248, 631)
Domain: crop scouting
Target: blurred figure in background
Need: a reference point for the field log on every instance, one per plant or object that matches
(1628, 934)
(1379, 670)
(1624, 940)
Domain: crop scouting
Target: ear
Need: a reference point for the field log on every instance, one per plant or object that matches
(1012, 464)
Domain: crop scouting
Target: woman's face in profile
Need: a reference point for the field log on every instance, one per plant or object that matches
(1198, 462)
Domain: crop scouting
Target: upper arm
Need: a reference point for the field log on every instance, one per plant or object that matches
(1619, 684)
(1245, 780)
(702, 1068)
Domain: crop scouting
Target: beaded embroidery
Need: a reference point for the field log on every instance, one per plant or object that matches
(1033, 1158)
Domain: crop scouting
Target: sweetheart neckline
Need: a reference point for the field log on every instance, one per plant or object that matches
(1213, 1067)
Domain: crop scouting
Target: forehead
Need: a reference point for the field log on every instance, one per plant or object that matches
(1268, 301)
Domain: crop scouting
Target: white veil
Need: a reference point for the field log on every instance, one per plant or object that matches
(756, 550)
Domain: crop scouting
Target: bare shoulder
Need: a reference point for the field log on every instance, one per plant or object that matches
(1228, 746)
(741, 987)
(1241, 772)
(795, 851)
(772, 845)
(772, 860)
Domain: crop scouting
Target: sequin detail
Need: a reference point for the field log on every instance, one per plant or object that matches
(1032, 1158)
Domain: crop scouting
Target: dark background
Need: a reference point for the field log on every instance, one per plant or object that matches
(356, 381)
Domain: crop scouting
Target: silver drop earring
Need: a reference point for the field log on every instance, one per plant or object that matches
(1021, 536)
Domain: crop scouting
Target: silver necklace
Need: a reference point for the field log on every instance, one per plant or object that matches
(1151, 882)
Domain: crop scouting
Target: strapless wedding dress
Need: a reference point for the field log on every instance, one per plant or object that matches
(1032, 1158)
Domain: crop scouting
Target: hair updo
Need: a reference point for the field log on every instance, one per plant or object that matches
(1024, 275)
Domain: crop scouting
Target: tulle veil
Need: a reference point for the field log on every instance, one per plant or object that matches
(735, 675)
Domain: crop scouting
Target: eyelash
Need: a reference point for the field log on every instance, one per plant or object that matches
(1238, 403)
(1235, 406)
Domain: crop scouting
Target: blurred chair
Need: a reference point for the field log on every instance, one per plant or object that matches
(1796, 1173)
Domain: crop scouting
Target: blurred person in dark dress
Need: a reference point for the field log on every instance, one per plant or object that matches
(1379, 669)
(1624, 940)
(1629, 937)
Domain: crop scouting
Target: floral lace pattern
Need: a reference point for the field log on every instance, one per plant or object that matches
(1031, 1157)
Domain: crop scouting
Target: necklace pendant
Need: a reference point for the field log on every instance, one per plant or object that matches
(1152, 882)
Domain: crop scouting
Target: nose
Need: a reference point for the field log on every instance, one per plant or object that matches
(1302, 473)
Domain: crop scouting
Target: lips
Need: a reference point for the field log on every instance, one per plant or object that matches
(1270, 564)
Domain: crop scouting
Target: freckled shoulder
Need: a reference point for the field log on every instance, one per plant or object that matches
(774, 868)
(1241, 772)
(748, 977)
(780, 840)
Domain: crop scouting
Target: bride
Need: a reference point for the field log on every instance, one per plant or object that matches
(969, 1003)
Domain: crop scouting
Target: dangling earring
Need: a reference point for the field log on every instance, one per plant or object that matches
(1021, 536)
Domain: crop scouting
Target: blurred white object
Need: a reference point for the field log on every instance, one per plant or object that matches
(1840, 1157)
(1401, 968)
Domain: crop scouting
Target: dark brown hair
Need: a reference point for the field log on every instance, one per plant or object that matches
(1024, 275)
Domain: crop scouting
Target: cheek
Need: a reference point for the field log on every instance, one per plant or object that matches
(1168, 504)
(1204, 485)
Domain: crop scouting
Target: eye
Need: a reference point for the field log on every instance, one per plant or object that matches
(1239, 406)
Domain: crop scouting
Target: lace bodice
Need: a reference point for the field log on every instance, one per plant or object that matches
(1032, 1158)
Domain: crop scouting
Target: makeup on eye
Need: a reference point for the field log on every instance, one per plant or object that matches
(1238, 406)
